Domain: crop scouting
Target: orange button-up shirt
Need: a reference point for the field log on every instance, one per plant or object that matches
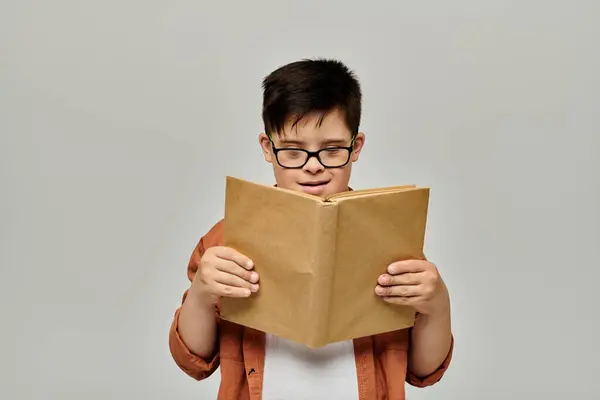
(381, 360)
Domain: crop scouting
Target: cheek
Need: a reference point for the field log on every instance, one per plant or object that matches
(344, 173)
(342, 176)
(285, 178)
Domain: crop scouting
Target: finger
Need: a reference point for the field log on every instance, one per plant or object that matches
(233, 280)
(409, 278)
(402, 267)
(399, 291)
(231, 291)
(229, 254)
(233, 268)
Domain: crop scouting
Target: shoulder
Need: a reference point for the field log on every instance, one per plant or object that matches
(214, 237)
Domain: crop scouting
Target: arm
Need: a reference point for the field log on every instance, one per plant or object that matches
(417, 283)
(192, 338)
(215, 271)
(431, 341)
(198, 325)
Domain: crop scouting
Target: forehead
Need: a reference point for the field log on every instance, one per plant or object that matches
(316, 128)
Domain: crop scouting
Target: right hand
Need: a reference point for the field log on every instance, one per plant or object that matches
(224, 272)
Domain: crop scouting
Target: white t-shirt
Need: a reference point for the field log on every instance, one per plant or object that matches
(296, 372)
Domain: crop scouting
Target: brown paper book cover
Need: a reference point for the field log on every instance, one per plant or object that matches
(319, 258)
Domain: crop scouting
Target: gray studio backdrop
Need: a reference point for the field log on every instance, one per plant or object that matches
(119, 121)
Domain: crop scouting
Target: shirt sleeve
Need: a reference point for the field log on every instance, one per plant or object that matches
(193, 365)
(436, 376)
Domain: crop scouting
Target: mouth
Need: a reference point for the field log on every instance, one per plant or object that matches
(316, 183)
(315, 187)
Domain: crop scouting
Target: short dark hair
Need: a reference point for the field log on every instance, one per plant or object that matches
(310, 87)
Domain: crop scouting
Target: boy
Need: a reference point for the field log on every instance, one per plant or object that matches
(311, 113)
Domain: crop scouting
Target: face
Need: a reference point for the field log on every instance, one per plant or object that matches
(313, 178)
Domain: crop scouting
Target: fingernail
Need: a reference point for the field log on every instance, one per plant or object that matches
(247, 292)
(379, 290)
(254, 288)
(383, 279)
(391, 270)
(254, 277)
(250, 264)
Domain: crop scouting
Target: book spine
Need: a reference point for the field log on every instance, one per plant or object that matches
(323, 261)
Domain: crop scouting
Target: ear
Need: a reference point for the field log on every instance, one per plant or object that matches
(359, 142)
(265, 145)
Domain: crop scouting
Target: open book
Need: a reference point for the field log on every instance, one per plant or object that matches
(319, 259)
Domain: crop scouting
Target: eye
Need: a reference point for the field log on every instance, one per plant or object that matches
(293, 153)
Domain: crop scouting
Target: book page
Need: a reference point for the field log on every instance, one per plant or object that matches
(362, 192)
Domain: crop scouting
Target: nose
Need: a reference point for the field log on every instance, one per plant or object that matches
(313, 165)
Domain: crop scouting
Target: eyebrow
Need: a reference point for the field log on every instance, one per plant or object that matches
(291, 142)
(328, 142)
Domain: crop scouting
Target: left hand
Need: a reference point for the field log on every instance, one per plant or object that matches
(414, 283)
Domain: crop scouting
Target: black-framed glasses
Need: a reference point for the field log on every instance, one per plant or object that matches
(329, 157)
